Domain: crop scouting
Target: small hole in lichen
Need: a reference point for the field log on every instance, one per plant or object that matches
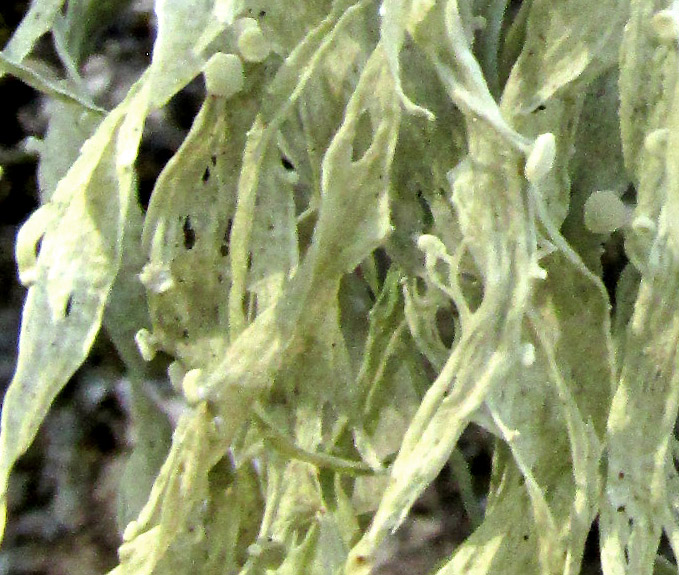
(69, 306)
(420, 286)
(445, 326)
(189, 234)
(150, 161)
(287, 164)
(206, 175)
(224, 247)
(427, 215)
(38, 246)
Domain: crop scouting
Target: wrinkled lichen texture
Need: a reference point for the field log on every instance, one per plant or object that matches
(371, 237)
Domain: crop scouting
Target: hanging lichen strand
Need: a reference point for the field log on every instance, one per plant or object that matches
(358, 171)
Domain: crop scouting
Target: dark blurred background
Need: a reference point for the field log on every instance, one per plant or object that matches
(62, 500)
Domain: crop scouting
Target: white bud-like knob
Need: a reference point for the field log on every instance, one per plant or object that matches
(146, 344)
(656, 141)
(605, 212)
(176, 373)
(644, 225)
(252, 44)
(665, 24)
(156, 278)
(527, 354)
(223, 11)
(540, 158)
(224, 75)
(431, 245)
(193, 391)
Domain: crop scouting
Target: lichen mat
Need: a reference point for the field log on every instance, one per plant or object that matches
(384, 225)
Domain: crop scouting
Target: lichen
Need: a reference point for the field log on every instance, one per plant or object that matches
(357, 171)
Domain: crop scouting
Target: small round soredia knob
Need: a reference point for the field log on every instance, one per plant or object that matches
(224, 75)
(605, 212)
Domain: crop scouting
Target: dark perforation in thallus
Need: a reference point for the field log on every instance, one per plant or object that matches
(445, 326)
(189, 233)
(184, 106)
(665, 549)
(38, 246)
(613, 262)
(68, 306)
(152, 158)
(613, 258)
(427, 215)
(592, 554)
(159, 146)
(224, 247)
(382, 263)
(287, 164)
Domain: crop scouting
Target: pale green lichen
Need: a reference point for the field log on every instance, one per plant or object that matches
(456, 143)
